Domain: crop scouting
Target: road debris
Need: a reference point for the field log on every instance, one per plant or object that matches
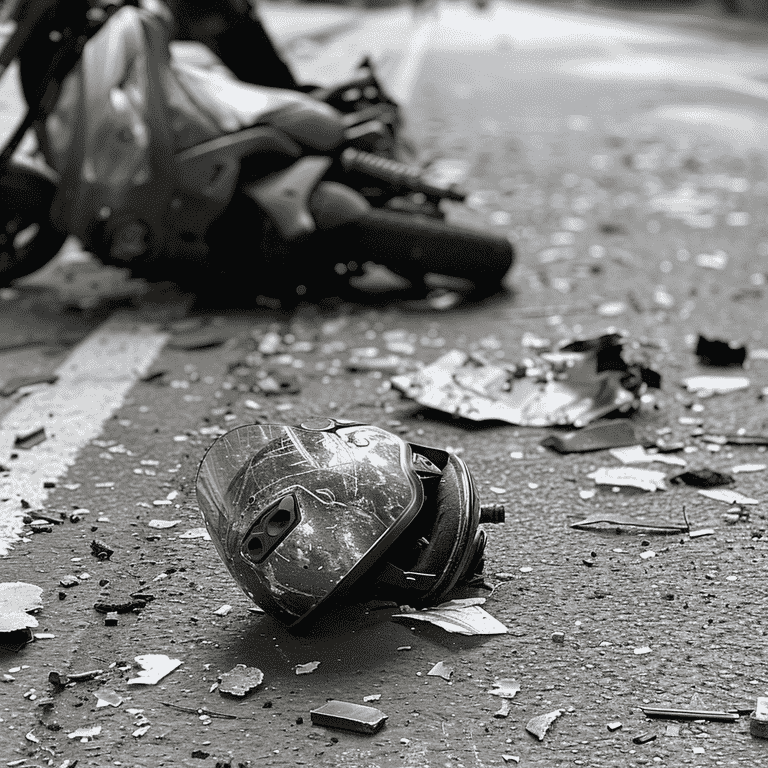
(195, 339)
(729, 497)
(441, 669)
(85, 734)
(644, 738)
(645, 479)
(17, 600)
(372, 697)
(162, 524)
(57, 678)
(595, 437)
(463, 616)
(704, 386)
(105, 697)
(196, 533)
(722, 354)
(701, 532)
(308, 668)
(576, 384)
(506, 688)
(740, 468)
(101, 550)
(758, 720)
(349, 717)
(689, 714)
(155, 667)
(12, 386)
(702, 478)
(30, 439)
(240, 680)
(615, 725)
(123, 604)
(538, 726)
(637, 454)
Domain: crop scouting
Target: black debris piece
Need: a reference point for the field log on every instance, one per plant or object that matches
(31, 439)
(719, 353)
(689, 714)
(703, 478)
(101, 550)
(203, 338)
(596, 437)
(348, 716)
(124, 605)
(644, 738)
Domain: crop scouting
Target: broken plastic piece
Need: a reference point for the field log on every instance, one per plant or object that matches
(107, 698)
(596, 437)
(758, 720)
(30, 439)
(17, 599)
(644, 738)
(715, 385)
(702, 478)
(240, 680)
(161, 524)
(349, 716)
(506, 688)
(57, 678)
(538, 726)
(85, 734)
(463, 616)
(306, 669)
(645, 479)
(729, 497)
(689, 714)
(580, 382)
(637, 454)
(101, 550)
(720, 353)
(120, 605)
(155, 667)
(441, 669)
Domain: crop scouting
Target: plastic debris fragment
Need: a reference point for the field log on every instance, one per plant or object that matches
(85, 734)
(715, 385)
(538, 726)
(306, 669)
(719, 353)
(30, 439)
(17, 599)
(645, 479)
(160, 524)
(506, 688)
(240, 680)
(441, 669)
(739, 468)
(595, 437)
(196, 533)
(106, 697)
(156, 666)
(463, 616)
(349, 716)
(637, 454)
(758, 720)
(702, 478)
(728, 496)
(580, 382)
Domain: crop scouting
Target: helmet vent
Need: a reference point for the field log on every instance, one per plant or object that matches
(270, 528)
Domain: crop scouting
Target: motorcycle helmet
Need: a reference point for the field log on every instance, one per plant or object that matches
(307, 517)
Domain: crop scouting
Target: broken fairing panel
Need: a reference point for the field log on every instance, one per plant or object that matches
(577, 384)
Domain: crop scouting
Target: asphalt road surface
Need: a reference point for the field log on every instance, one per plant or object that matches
(624, 153)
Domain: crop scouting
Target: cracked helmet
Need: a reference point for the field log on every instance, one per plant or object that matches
(335, 511)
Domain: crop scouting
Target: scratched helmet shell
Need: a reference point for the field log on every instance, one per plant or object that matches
(306, 517)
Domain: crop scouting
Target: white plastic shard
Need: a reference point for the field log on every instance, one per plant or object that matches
(462, 617)
(645, 479)
(16, 598)
(729, 497)
(715, 385)
(538, 726)
(636, 454)
(441, 669)
(155, 667)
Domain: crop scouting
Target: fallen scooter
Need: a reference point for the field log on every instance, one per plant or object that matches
(185, 174)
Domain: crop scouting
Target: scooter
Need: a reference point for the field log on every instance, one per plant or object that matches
(188, 175)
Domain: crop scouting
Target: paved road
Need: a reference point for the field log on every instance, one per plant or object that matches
(626, 160)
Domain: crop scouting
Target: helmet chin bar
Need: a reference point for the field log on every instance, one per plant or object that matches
(399, 578)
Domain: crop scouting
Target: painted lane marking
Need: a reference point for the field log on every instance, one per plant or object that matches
(93, 382)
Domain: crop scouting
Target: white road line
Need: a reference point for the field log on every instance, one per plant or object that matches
(92, 385)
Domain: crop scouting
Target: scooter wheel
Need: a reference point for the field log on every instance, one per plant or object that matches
(28, 240)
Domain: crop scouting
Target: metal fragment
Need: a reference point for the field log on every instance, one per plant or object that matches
(349, 716)
(689, 714)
